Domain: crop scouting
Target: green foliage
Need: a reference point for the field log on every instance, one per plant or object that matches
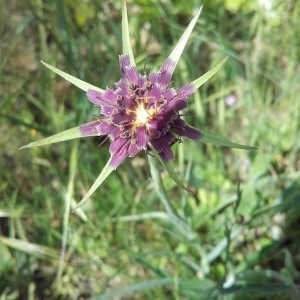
(235, 237)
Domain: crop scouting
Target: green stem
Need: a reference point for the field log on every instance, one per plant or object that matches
(68, 201)
(180, 224)
(156, 176)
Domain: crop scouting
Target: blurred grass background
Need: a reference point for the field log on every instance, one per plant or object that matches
(242, 237)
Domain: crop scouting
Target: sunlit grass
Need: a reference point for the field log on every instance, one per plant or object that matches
(236, 242)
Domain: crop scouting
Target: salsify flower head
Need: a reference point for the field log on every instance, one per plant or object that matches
(141, 112)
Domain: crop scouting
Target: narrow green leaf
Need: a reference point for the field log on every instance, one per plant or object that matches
(218, 141)
(177, 51)
(263, 289)
(79, 212)
(103, 175)
(137, 287)
(169, 168)
(160, 189)
(73, 163)
(152, 215)
(198, 288)
(69, 134)
(30, 248)
(127, 49)
(10, 213)
(80, 83)
(201, 80)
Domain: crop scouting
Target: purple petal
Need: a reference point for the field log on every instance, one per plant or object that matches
(141, 138)
(124, 62)
(158, 126)
(170, 116)
(169, 94)
(105, 129)
(106, 99)
(106, 111)
(112, 130)
(156, 143)
(192, 133)
(119, 151)
(118, 158)
(95, 97)
(166, 72)
(117, 144)
(115, 132)
(153, 77)
(185, 91)
(121, 118)
(124, 93)
(162, 146)
(169, 138)
(142, 79)
(167, 154)
(90, 128)
(176, 105)
(131, 74)
(155, 94)
(133, 150)
(163, 124)
(183, 129)
(122, 87)
(110, 95)
(162, 142)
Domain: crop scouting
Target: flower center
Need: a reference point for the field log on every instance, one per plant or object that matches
(142, 115)
(141, 112)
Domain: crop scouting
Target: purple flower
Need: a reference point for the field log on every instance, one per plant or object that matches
(230, 100)
(141, 112)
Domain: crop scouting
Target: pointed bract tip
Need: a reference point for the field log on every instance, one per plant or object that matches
(199, 10)
(30, 145)
(177, 51)
(126, 43)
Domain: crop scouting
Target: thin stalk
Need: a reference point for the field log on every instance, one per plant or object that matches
(68, 202)
(179, 223)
